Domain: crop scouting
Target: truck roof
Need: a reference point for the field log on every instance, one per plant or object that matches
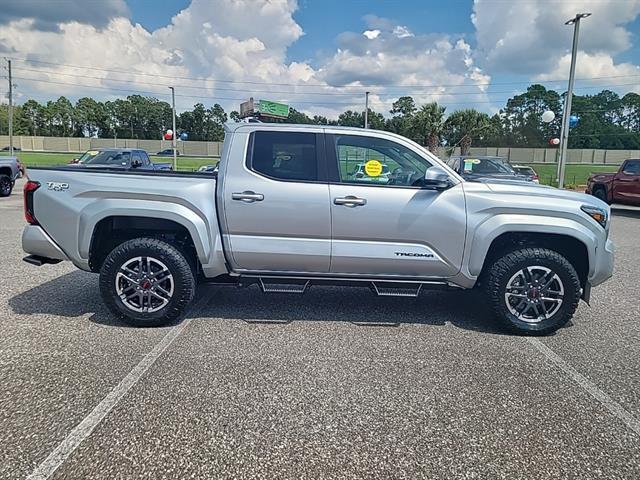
(232, 127)
(114, 149)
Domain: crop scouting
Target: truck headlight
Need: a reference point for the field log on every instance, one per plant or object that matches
(600, 215)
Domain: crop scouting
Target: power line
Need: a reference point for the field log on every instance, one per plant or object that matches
(209, 97)
(290, 92)
(251, 82)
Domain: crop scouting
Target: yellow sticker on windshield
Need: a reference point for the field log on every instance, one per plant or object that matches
(373, 168)
(93, 152)
(473, 161)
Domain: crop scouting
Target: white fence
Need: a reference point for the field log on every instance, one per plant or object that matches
(212, 149)
(82, 144)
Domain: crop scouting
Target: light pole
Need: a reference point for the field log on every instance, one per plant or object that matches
(564, 132)
(366, 109)
(173, 137)
(10, 109)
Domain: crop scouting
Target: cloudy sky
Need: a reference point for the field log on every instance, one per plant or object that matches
(320, 56)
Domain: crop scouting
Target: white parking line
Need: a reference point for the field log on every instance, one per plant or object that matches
(609, 403)
(84, 428)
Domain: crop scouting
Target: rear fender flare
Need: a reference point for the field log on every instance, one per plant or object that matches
(197, 227)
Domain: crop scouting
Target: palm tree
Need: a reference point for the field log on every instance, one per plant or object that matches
(463, 126)
(427, 125)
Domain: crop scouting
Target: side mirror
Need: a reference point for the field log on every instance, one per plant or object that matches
(136, 163)
(436, 179)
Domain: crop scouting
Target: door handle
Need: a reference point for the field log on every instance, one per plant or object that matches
(350, 201)
(247, 196)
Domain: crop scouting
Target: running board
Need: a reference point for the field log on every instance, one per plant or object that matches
(392, 289)
(283, 286)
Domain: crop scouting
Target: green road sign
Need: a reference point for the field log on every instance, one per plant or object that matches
(273, 109)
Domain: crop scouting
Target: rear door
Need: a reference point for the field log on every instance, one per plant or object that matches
(626, 184)
(276, 202)
(388, 225)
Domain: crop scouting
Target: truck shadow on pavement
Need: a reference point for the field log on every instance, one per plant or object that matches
(76, 294)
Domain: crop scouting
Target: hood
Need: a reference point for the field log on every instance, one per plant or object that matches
(602, 175)
(530, 189)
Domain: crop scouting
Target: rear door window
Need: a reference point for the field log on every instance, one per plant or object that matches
(287, 156)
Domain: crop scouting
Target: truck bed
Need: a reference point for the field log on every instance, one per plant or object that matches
(71, 202)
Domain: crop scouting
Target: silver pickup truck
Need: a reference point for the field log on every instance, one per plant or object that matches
(290, 208)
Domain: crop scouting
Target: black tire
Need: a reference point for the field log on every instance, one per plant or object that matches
(600, 192)
(513, 264)
(160, 254)
(6, 186)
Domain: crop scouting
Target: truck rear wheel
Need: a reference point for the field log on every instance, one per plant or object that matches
(147, 282)
(533, 291)
(6, 185)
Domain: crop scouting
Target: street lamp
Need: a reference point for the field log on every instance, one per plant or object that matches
(366, 109)
(564, 132)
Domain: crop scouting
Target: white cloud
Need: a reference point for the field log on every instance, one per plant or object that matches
(531, 38)
(227, 40)
(600, 67)
(429, 67)
(401, 31)
(371, 34)
(46, 15)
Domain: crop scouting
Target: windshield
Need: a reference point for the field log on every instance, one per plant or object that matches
(88, 156)
(108, 158)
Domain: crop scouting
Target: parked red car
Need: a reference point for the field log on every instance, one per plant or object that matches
(620, 187)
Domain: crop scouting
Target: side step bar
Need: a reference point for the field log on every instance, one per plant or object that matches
(392, 289)
(282, 286)
(379, 288)
(38, 261)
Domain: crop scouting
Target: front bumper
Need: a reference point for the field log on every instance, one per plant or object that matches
(603, 267)
(35, 241)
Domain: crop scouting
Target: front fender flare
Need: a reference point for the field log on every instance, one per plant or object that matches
(488, 231)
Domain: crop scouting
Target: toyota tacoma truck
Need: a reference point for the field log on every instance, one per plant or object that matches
(286, 212)
(622, 186)
(10, 169)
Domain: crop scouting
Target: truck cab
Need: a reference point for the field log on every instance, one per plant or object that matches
(620, 187)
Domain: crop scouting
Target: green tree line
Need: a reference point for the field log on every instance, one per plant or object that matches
(607, 120)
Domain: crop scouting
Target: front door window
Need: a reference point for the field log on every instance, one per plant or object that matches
(377, 161)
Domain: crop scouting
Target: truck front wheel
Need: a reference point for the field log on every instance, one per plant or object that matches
(600, 191)
(533, 291)
(147, 282)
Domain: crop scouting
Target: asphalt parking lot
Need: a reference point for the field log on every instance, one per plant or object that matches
(333, 384)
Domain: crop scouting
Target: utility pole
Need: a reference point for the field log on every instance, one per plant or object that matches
(10, 109)
(564, 133)
(173, 137)
(366, 109)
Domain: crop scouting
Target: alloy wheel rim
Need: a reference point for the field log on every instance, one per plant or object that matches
(144, 284)
(534, 294)
(5, 185)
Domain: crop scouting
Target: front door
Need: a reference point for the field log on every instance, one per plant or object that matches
(383, 222)
(276, 203)
(626, 184)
